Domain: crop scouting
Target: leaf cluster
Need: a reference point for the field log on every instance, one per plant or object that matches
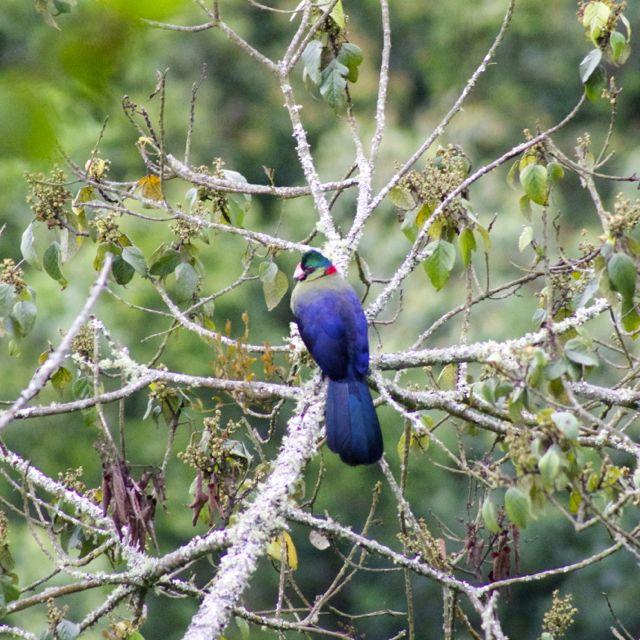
(330, 62)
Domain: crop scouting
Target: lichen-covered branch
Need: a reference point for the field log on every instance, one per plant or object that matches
(54, 360)
(261, 520)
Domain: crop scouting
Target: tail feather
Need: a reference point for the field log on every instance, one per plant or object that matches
(353, 430)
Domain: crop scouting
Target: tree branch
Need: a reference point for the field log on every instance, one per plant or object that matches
(261, 520)
(55, 359)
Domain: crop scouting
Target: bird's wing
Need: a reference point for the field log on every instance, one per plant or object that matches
(333, 327)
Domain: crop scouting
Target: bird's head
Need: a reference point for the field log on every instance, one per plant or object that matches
(313, 265)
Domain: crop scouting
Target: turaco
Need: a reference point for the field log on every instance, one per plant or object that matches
(334, 329)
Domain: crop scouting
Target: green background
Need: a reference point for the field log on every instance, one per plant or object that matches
(61, 85)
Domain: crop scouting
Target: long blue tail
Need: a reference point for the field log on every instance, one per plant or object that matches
(353, 430)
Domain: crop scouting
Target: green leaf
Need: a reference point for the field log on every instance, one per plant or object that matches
(467, 245)
(566, 423)
(484, 234)
(7, 299)
(512, 174)
(187, 281)
(627, 26)
(133, 256)
(274, 286)
(274, 283)
(418, 442)
(337, 13)
(633, 244)
(6, 559)
(486, 390)
(52, 265)
(490, 515)
(267, 270)
(31, 244)
(525, 238)
(166, 263)
(24, 317)
(620, 48)
(274, 549)
(243, 627)
(440, 263)
(588, 293)
(423, 214)
(589, 64)
(61, 378)
(85, 194)
(629, 316)
(595, 11)
(525, 206)
(575, 500)
(529, 158)
(101, 252)
(122, 271)
(517, 403)
(237, 209)
(350, 56)
(205, 312)
(533, 179)
(516, 504)
(10, 588)
(595, 84)
(82, 388)
(28, 250)
(555, 171)
(332, 85)
(595, 18)
(555, 370)
(408, 226)
(311, 58)
(402, 198)
(550, 463)
(577, 350)
(622, 274)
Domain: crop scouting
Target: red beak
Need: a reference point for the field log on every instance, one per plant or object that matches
(299, 273)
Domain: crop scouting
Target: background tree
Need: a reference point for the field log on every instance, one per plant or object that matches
(162, 463)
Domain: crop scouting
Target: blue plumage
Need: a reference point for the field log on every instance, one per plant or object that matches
(334, 329)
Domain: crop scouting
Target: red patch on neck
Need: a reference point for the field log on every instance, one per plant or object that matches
(330, 270)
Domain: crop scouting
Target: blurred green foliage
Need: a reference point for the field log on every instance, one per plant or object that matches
(58, 86)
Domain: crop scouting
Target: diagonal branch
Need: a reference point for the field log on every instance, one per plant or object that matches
(421, 568)
(383, 81)
(262, 519)
(356, 230)
(325, 224)
(437, 132)
(206, 333)
(417, 254)
(54, 360)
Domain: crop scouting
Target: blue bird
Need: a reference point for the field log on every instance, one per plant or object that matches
(333, 327)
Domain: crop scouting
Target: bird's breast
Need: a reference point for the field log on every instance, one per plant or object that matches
(308, 292)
